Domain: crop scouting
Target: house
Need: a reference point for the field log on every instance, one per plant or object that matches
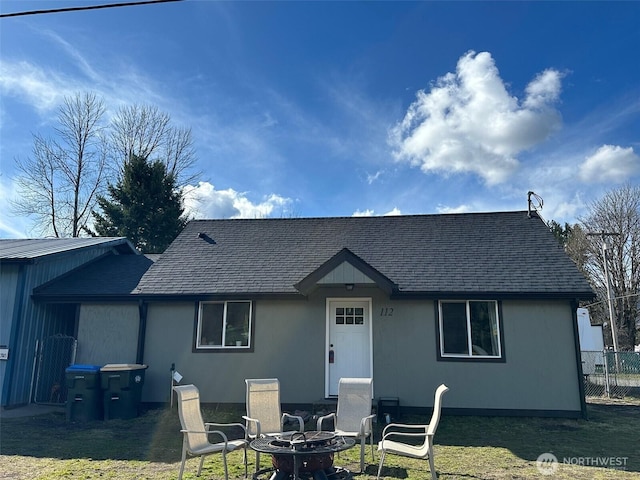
(483, 302)
(30, 331)
(591, 343)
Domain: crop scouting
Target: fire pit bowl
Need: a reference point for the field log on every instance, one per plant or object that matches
(316, 444)
(309, 454)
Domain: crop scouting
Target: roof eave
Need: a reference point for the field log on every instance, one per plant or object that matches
(85, 298)
(500, 295)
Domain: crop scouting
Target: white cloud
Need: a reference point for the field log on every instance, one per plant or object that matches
(79, 61)
(204, 201)
(469, 123)
(394, 211)
(610, 163)
(459, 209)
(44, 88)
(10, 226)
(372, 177)
(371, 213)
(363, 213)
(41, 89)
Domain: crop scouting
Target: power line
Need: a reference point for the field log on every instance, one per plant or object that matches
(88, 7)
(614, 298)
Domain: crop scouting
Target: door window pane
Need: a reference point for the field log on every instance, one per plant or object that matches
(349, 316)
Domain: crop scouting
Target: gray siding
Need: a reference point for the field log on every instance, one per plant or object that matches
(107, 334)
(285, 333)
(540, 371)
(345, 273)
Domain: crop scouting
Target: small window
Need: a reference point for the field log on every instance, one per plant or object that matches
(349, 316)
(224, 325)
(469, 329)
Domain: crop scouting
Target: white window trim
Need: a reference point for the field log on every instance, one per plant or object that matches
(469, 355)
(224, 325)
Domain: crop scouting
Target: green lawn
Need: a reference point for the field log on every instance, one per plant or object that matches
(47, 447)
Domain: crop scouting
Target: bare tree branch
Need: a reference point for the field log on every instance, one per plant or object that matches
(138, 130)
(58, 185)
(618, 215)
(146, 132)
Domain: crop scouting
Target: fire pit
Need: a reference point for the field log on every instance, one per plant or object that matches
(303, 455)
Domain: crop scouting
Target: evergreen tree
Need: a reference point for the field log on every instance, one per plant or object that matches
(145, 206)
(561, 233)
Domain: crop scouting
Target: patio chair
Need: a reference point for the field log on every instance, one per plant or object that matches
(195, 440)
(414, 432)
(353, 417)
(264, 416)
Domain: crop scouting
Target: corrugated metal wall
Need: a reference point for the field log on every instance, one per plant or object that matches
(31, 322)
(9, 275)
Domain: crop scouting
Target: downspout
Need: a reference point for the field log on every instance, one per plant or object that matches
(576, 343)
(142, 330)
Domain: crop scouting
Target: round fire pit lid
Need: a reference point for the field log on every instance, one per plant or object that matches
(303, 439)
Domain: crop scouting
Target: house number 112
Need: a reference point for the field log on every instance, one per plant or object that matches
(386, 312)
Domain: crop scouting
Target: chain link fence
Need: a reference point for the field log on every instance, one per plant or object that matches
(55, 354)
(611, 374)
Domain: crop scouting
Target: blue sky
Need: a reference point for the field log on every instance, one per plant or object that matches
(348, 108)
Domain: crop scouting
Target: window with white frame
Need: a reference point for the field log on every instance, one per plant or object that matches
(224, 325)
(469, 329)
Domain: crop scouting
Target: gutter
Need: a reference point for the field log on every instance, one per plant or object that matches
(142, 331)
(493, 295)
(576, 344)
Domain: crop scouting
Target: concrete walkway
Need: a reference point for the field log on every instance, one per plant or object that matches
(30, 410)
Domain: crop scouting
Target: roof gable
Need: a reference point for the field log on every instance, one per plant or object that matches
(109, 276)
(333, 272)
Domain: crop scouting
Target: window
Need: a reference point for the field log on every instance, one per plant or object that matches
(349, 316)
(469, 329)
(224, 325)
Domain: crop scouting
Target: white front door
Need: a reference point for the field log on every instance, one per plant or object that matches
(349, 352)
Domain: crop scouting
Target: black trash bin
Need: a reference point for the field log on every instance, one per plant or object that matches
(388, 409)
(122, 389)
(84, 395)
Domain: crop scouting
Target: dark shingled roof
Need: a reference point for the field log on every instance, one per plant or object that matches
(114, 276)
(500, 254)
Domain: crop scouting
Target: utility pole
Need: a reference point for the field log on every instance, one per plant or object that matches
(605, 249)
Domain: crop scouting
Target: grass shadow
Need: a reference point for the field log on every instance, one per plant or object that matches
(393, 472)
(153, 436)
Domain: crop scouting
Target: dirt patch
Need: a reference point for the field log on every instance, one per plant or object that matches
(626, 401)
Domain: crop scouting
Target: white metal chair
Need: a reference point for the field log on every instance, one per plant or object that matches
(425, 432)
(264, 414)
(353, 417)
(195, 440)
